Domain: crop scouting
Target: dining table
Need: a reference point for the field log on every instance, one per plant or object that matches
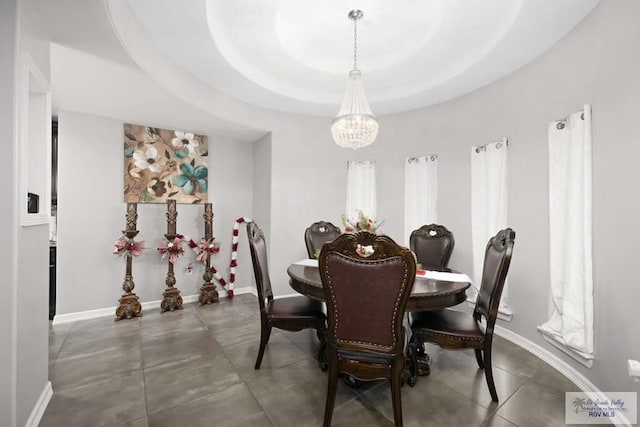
(432, 290)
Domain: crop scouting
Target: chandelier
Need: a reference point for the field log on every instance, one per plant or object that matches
(355, 126)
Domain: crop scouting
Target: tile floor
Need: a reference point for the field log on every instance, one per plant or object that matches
(194, 367)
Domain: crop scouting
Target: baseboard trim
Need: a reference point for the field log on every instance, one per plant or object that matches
(578, 356)
(110, 311)
(41, 405)
(560, 365)
(563, 367)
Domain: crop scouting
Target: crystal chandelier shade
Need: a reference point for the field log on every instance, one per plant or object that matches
(355, 126)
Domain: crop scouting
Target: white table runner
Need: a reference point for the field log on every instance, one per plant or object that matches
(444, 276)
(429, 274)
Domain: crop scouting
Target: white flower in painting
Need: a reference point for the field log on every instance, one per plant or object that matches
(147, 159)
(185, 139)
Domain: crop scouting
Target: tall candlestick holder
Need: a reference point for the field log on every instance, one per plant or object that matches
(171, 296)
(129, 304)
(208, 292)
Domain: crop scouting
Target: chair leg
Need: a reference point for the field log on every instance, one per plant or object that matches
(265, 333)
(412, 351)
(396, 396)
(488, 372)
(479, 358)
(322, 352)
(331, 390)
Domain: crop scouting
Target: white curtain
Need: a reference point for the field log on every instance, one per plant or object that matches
(571, 306)
(420, 193)
(361, 189)
(488, 206)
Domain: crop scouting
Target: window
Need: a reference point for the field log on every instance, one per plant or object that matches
(361, 189)
(571, 321)
(488, 208)
(420, 193)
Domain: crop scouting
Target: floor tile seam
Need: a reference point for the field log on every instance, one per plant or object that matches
(144, 378)
(556, 374)
(370, 404)
(64, 340)
(204, 396)
(98, 340)
(57, 353)
(246, 384)
(197, 312)
(533, 379)
(202, 360)
(502, 404)
(547, 388)
(520, 375)
(58, 389)
(486, 422)
(126, 423)
(200, 396)
(489, 411)
(175, 340)
(116, 353)
(360, 397)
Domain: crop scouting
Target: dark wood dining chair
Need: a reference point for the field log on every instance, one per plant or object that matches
(289, 313)
(367, 280)
(317, 234)
(454, 330)
(433, 245)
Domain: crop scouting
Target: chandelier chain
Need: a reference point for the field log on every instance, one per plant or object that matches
(355, 44)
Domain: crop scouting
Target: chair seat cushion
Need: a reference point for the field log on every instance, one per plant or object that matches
(300, 307)
(363, 356)
(455, 324)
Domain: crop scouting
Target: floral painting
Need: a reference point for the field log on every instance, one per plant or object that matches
(161, 164)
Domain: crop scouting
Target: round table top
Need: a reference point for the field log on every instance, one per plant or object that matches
(427, 294)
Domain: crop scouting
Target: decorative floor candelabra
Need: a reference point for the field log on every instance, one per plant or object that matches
(129, 304)
(208, 292)
(171, 295)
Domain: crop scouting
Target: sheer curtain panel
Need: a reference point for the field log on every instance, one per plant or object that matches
(488, 207)
(361, 189)
(420, 193)
(571, 305)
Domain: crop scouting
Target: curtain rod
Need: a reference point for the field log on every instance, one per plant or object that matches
(567, 118)
(432, 157)
(587, 107)
(504, 141)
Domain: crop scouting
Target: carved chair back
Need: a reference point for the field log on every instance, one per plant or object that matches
(317, 234)
(497, 259)
(367, 280)
(433, 245)
(258, 248)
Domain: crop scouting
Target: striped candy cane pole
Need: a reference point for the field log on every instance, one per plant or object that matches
(191, 243)
(218, 277)
(234, 258)
(234, 253)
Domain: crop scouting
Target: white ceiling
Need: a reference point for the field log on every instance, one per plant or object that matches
(294, 55)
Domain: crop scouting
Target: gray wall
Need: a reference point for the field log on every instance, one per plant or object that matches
(262, 184)
(24, 305)
(597, 63)
(8, 212)
(91, 215)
